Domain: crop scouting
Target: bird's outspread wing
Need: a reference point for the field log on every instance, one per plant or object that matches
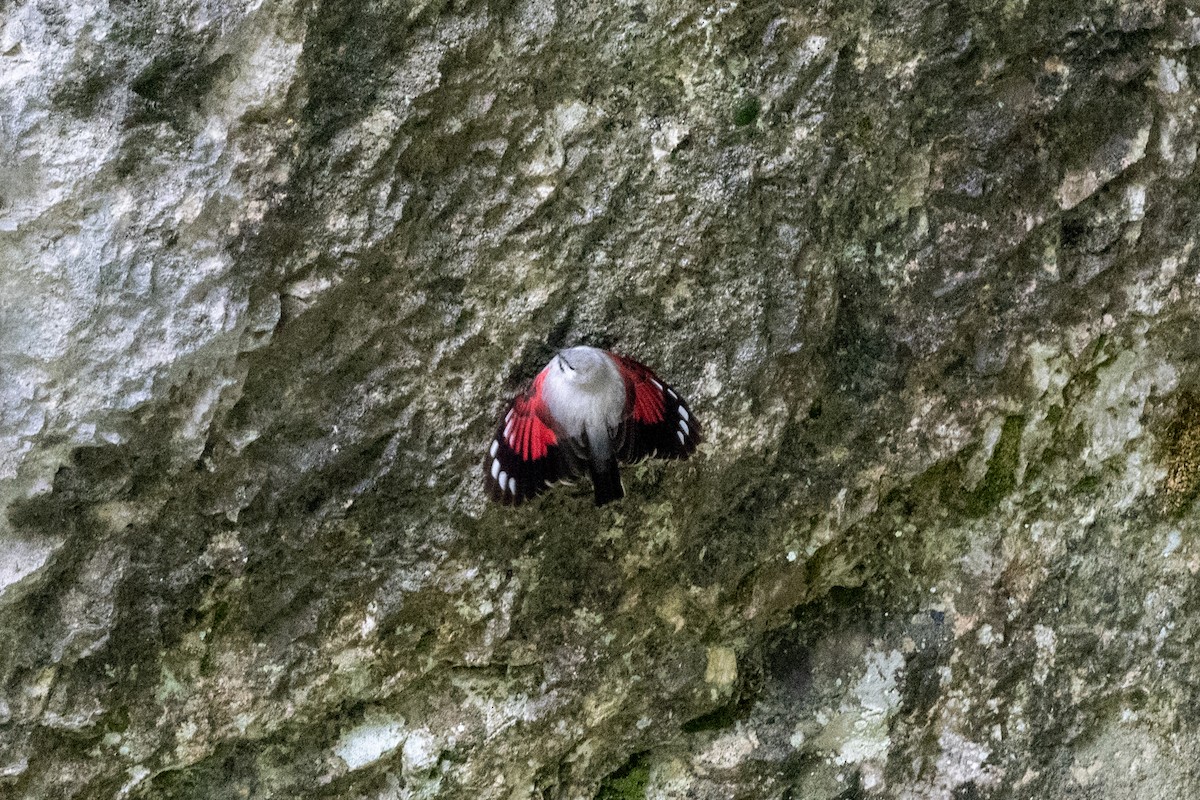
(527, 456)
(658, 422)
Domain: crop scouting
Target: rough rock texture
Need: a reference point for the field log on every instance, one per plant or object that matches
(925, 269)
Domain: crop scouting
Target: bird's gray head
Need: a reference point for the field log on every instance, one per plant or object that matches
(582, 366)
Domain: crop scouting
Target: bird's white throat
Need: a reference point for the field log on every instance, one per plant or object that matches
(585, 393)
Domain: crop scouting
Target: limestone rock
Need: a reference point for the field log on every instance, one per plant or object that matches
(925, 270)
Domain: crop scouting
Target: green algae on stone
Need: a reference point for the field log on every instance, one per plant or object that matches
(628, 782)
(1000, 479)
(746, 111)
(1181, 454)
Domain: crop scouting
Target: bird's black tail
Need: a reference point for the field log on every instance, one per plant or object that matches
(606, 478)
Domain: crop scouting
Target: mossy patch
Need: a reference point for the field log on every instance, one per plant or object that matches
(628, 782)
(746, 110)
(1181, 454)
(1001, 476)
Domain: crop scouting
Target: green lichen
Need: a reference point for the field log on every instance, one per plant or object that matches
(1001, 476)
(628, 782)
(745, 112)
(1181, 454)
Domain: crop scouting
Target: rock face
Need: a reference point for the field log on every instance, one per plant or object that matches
(926, 271)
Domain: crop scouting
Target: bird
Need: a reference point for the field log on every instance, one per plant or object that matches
(586, 412)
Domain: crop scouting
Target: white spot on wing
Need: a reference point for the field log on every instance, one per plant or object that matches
(671, 392)
(512, 486)
(495, 447)
(680, 435)
(502, 479)
(683, 413)
(656, 383)
(683, 427)
(508, 416)
(495, 467)
(508, 431)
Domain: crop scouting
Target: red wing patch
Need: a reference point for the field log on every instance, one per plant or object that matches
(658, 423)
(525, 456)
(526, 425)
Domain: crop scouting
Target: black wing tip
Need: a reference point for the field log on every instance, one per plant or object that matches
(673, 438)
(500, 495)
(519, 492)
(523, 479)
(683, 448)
